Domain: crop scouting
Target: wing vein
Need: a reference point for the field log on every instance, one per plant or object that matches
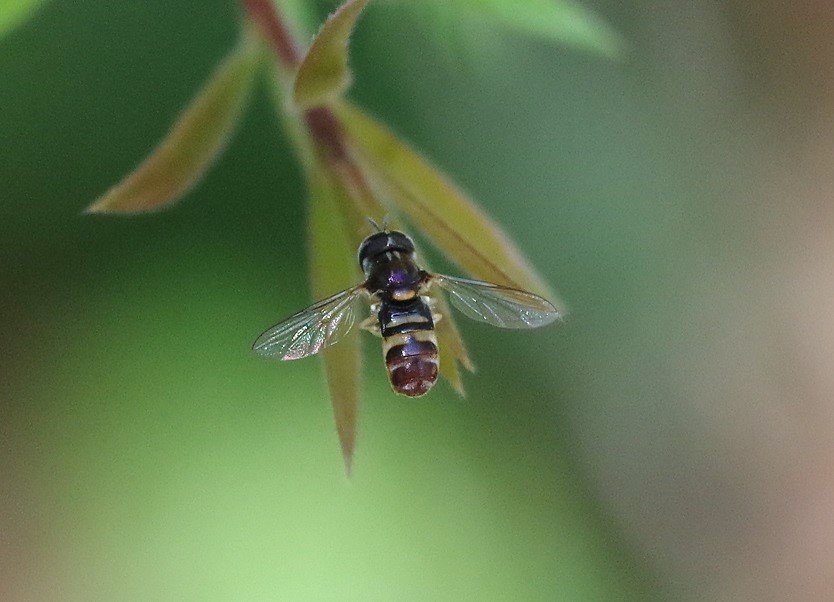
(500, 306)
(312, 329)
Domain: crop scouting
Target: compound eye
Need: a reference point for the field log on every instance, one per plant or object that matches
(401, 241)
(372, 246)
(382, 242)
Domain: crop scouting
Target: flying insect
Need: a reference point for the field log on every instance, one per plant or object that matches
(402, 313)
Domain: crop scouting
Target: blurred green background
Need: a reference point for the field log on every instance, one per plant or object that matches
(673, 439)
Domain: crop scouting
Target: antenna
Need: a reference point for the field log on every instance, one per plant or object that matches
(376, 226)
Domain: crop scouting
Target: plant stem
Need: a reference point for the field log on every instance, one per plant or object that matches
(264, 13)
(321, 123)
(326, 130)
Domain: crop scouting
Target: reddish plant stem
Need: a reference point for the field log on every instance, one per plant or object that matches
(322, 124)
(326, 130)
(264, 14)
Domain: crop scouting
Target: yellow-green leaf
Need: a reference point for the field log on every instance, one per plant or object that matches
(450, 346)
(192, 144)
(324, 73)
(333, 268)
(15, 12)
(453, 222)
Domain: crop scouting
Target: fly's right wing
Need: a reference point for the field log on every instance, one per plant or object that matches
(312, 329)
(498, 305)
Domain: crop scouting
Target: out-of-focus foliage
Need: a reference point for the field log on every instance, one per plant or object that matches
(565, 22)
(16, 12)
(194, 141)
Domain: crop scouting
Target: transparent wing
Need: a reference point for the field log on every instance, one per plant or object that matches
(310, 330)
(497, 305)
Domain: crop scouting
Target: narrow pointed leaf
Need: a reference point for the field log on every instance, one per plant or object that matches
(192, 144)
(333, 268)
(450, 345)
(453, 222)
(563, 21)
(15, 12)
(324, 73)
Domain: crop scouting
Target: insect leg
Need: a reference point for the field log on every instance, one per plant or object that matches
(371, 324)
(436, 316)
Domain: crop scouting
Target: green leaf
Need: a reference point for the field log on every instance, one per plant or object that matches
(324, 73)
(563, 21)
(192, 144)
(332, 269)
(15, 12)
(450, 346)
(453, 222)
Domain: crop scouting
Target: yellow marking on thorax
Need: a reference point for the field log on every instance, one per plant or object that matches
(404, 294)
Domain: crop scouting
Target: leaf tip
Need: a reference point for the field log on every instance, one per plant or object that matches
(92, 209)
(100, 206)
(324, 73)
(192, 143)
(347, 442)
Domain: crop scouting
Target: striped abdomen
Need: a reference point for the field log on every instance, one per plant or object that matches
(409, 346)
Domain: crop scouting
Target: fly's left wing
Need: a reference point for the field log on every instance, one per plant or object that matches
(312, 329)
(497, 305)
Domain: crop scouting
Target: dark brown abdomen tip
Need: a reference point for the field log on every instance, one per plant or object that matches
(412, 367)
(413, 377)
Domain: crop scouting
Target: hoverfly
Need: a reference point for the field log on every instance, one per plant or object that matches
(402, 313)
